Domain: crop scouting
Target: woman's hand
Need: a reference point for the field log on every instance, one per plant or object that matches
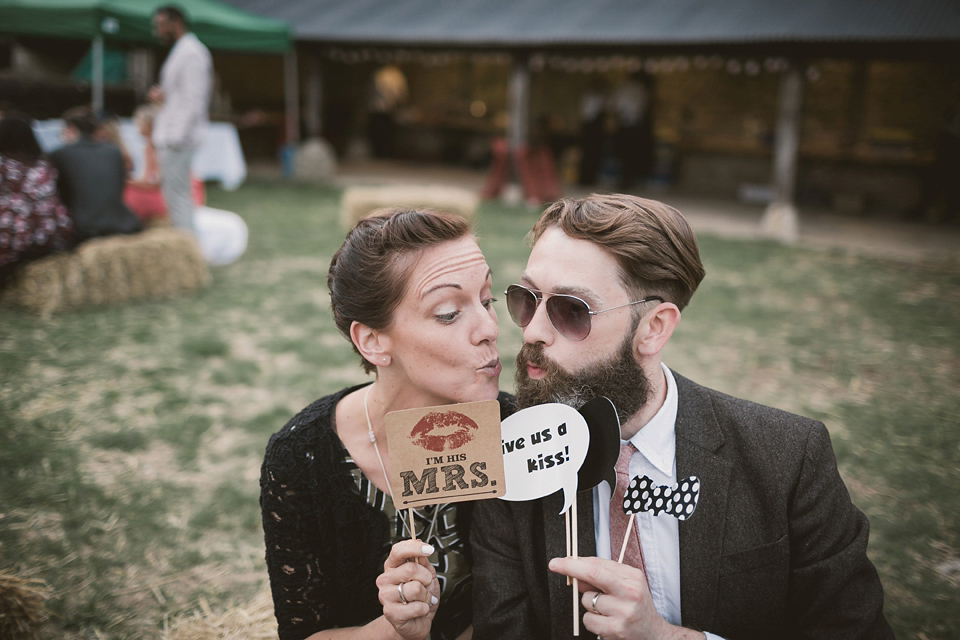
(408, 575)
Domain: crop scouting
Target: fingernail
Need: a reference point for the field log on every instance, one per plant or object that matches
(553, 564)
(427, 549)
(433, 600)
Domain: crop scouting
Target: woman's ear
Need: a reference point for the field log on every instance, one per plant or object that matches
(372, 344)
(655, 329)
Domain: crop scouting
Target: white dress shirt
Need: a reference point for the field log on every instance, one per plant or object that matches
(656, 457)
(186, 79)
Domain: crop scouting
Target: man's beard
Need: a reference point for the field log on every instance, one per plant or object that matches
(620, 379)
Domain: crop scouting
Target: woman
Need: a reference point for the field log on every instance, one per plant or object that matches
(412, 292)
(33, 220)
(142, 194)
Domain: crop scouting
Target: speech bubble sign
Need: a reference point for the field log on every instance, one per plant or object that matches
(601, 462)
(543, 448)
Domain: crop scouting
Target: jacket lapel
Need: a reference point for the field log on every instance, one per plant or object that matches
(699, 438)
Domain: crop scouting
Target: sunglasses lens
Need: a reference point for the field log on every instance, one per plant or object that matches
(522, 304)
(570, 316)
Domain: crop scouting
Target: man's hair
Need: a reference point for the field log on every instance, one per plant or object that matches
(82, 119)
(653, 244)
(175, 13)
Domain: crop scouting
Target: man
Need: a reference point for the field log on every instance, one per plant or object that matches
(92, 175)
(772, 546)
(633, 142)
(183, 99)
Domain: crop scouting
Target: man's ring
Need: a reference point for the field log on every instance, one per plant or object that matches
(400, 591)
(593, 604)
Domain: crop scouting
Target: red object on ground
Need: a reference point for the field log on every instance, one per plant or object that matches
(533, 166)
(148, 203)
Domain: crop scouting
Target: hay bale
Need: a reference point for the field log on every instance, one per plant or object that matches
(157, 263)
(21, 606)
(254, 621)
(358, 202)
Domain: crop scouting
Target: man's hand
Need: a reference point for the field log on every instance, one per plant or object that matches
(624, 608)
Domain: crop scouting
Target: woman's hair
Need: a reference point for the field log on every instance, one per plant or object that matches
(17, 140)
(369, 273)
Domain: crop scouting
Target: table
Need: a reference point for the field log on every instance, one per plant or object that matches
(219, 156)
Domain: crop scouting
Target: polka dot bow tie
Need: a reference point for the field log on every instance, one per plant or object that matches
(680, 500)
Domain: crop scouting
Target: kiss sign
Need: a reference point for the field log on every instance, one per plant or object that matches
(543, 448)
(449, 453)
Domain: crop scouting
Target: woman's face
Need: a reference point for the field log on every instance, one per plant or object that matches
(442, 341)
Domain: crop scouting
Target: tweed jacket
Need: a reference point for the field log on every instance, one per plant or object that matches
(775, 549)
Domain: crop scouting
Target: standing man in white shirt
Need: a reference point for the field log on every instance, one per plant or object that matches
(183, 99)
(763, 541)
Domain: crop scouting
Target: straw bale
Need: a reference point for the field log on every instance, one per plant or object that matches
(157, 263)
(253, 621)
(360, 201)
(21, 606)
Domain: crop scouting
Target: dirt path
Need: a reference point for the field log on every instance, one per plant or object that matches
(821, 229)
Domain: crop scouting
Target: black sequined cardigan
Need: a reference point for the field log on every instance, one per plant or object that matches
(325, 546)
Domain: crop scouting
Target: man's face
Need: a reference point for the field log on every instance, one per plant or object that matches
(553, 368)
(164, 29)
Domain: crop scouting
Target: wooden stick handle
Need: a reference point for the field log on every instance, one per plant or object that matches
(626, 537)
(575, 551)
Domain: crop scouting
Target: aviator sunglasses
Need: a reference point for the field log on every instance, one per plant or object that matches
(569, 315)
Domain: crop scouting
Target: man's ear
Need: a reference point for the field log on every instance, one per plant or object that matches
(655, 329)
(373, 345)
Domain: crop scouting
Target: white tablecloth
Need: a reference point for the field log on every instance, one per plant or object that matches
(218, 158)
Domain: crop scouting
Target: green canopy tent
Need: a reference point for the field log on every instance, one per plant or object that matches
(217, 25)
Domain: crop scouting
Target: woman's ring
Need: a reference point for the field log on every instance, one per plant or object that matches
(593, 604)
(400, 591)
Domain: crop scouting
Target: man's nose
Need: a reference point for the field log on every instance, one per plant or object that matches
(539, 329)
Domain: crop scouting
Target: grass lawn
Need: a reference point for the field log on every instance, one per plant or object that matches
(131, 437)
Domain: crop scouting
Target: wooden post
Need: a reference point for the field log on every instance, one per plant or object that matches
(519, 102)
(96, 74)
(291, 84)
(313, 103)
(518, 133)
(780, 219)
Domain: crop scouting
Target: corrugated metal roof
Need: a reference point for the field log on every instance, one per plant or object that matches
(613, 22)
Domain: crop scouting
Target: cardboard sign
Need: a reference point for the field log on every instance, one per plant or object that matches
(449, 453)
(543, 448)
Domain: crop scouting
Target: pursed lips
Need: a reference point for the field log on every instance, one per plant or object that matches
(492, 368)
(535, 372)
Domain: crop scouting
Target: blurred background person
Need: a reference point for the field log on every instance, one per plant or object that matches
(592, 116)
(33, 220)
(183, 101)
(108, 130)
(631, 103)
(91, 179)
(143, 194)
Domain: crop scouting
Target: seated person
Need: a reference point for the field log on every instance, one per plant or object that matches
(33, 220)
(108, 130)
(91, 181)
(142, 193)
